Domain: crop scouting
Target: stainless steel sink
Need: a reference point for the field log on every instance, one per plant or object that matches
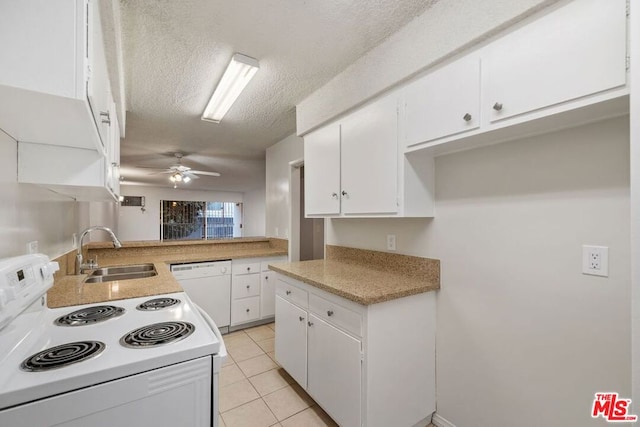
(122, 269)
(126, 272)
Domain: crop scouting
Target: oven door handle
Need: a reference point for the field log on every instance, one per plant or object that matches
(223, 349)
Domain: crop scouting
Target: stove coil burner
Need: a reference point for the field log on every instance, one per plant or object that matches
(89, 315)
(157, 334)
(157, 304)
(62, 355)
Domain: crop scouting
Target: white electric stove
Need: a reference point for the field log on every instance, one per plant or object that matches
(151, 361)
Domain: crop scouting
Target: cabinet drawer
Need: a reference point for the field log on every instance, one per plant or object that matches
(247, 285)
(292, 293)
(336, 314)
(245, 310)
(246, 267)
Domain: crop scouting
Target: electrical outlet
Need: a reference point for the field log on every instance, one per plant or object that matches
(391, 242)
(32, 247)
(595, 260)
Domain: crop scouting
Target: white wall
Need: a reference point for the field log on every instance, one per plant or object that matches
(254, 213)
(634, 25)
(134, 224)
(29, 212)
(445, 29)
(277, 176)
(523, 338)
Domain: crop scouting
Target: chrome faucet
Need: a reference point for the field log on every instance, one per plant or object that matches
(80, 266)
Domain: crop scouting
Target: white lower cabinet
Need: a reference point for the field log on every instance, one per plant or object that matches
(334, 371)
(252, 293)
(291, 339)
(364, 365)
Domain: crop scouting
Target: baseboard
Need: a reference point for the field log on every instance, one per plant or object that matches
(251, 324)
(439, 421)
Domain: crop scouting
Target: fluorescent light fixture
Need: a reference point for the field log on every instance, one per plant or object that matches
(238, 74)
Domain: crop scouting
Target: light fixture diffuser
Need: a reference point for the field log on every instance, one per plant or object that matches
(238, 74)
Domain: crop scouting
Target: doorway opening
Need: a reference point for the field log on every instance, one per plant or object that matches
(307, 234)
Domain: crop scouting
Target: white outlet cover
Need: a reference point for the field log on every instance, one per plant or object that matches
(391, 242)
(601, 252)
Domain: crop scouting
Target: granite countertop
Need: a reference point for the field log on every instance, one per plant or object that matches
(361, 279)
(70, 289)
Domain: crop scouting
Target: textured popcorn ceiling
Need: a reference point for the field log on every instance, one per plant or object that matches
(176, 51)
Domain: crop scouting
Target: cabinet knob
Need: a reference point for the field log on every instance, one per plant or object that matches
(106, 118)
(310, 323)
(248, 310)
(301, 318)
(248, 286)
(334, 195)
(467, 117)
(344, 193)
(266, 277)
(329, 312)
(497, 106)
(248, 268)
(288, 292)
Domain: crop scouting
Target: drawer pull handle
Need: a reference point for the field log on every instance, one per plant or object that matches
(329, 312)
(467, 117)
(310, 324)
(301, 318)
(288, 292)
(248, 310)
(497, 106)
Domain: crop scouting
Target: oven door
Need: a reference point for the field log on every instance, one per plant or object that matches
(176, 395)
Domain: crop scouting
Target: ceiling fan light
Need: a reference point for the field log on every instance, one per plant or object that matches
(238, 74)
(186, 179)
(177, 176)
(172, 178)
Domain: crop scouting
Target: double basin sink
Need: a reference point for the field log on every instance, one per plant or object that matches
(125, 272)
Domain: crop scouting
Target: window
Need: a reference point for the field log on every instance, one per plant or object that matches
(187, 220)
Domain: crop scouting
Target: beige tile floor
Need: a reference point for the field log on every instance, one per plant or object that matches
(256, 392)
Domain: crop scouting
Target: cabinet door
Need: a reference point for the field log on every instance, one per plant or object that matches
(322, 171)
(575, 51)
(443, 103)
(267, 295)
(291, 340)
(98, 91)
(335, 372)
(369, 159)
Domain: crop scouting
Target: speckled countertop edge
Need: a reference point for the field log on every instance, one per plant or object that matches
(357, 279)
(69, 289)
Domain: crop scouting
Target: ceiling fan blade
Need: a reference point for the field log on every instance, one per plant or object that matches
(205, 173)
(190, 175)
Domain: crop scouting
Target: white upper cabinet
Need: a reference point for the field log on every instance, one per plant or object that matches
(322, 171)
(53, 48)
(355, 167)
(445, 102)
(369, 161)
(574, 51)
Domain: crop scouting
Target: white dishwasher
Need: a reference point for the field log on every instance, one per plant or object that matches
(208, 284)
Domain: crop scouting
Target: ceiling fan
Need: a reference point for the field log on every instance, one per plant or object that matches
(181, 173)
